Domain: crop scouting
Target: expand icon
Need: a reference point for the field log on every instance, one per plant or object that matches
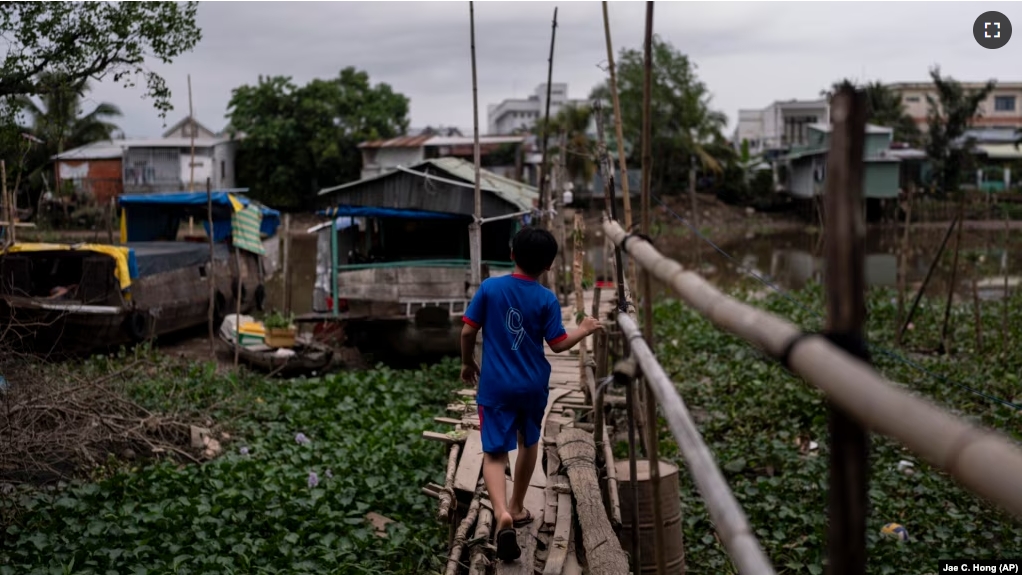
(992, 30)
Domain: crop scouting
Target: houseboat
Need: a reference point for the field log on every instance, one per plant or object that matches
(393, 256)
(82, 297)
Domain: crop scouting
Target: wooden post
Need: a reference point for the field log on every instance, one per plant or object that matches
(647, 160)
(478, 562)
(577, 450)
(447, 498)
(111, 210)
(475, 229)
(954, 274)
(461, 535)
(211, 274)
(903, 262)
(285, 263)
(237, 307)
(544, 189)
(191, 163)
(626, 195)
(929, 274)
(8, 217)
(334, 257)
(845, 248)
(1004, 272)
(577, 272)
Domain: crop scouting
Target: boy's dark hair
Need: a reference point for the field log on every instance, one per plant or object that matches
(534, 250)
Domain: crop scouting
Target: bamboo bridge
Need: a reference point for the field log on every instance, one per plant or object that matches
(587, 506)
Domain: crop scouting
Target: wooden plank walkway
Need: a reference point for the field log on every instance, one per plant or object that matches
(546, 544)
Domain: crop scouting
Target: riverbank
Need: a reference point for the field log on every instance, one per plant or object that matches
(307, 466)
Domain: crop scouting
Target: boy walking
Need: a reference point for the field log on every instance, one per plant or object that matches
(516, 314)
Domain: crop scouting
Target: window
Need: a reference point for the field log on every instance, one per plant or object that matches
(912, 99)
(1004, 103)
(223, 171)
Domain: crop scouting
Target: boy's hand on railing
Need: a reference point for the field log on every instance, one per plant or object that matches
(470, 373)
(591, 325)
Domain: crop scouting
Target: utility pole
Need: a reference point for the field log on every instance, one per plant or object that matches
(475, 229)
(191, 163)
(544, 189)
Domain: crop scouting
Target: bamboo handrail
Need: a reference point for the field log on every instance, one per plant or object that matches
(983, 460)
(727, 515)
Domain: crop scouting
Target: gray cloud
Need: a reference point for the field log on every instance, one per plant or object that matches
(748, 53)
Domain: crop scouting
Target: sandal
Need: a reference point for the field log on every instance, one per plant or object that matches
(518, 523)
(507, 545)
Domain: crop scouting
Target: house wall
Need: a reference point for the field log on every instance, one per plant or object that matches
(800, 177)
(185, 131)
(160, 169)
(224, 168)
(914, 97)
(100, 179)
(881, 180)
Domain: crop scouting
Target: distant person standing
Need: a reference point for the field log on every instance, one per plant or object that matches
(516, 314)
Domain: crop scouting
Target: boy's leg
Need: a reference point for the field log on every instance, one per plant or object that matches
(496, 427)
(529, 426)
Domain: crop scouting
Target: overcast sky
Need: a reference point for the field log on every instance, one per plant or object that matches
(748, 53)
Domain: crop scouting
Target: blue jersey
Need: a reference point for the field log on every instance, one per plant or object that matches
(515, 314)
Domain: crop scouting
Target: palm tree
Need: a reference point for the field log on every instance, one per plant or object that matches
(61, 122)
(573, 121)
(58, 120)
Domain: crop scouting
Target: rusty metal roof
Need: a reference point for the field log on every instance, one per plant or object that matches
(399, 142)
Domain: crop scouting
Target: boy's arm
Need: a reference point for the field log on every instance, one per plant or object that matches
(469, 332)
(557, 338)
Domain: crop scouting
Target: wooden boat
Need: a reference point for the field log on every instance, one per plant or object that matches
(392, 258)
(309, 357)
(305, 357)
(84, 297)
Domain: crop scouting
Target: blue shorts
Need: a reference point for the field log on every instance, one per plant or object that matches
(500, 426)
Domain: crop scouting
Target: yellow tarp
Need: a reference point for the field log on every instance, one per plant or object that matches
(119, 254)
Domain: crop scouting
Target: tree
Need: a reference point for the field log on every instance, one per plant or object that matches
(684, 125)
(300, 139)
(83, 40)
(885, 108)
(59, 123)
(573, 121)
(950, 115)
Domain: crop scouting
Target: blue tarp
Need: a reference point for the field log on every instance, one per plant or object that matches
(372, 212)
(147, 207)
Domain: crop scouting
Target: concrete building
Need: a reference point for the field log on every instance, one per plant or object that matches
(1002, 109)
(522, 113)
(105, 169)
(779, 126)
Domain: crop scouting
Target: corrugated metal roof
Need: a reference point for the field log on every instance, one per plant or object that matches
(399, 142)
(115, 148)
(470, 141)
(1000, 151)
(870, 128)
(517, 193)
(105, 150)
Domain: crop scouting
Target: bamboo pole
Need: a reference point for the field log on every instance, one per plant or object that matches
(1004, 272)
(237, 308)
(544, 189)
(929, 274)
(447, 495)
(983, 460)
(977, 318)
(845, 248)
(285, 266)
(191, 163)
(727, 515)
(475, 232)
(626, 196)
(211, 276)
(8, 212)
(461, 535)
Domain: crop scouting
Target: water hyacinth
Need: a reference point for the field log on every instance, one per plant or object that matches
(313, 479)
(243, 451)
(300, 439)
(329, 474)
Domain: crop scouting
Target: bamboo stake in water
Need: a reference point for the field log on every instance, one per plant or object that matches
(191, 163)
(475, 231)
(211, 274)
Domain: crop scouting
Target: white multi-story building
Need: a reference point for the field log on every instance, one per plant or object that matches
(522, 113)
(780, 125)
(1001, 110)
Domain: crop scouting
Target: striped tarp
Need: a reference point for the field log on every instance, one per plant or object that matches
(245, 229)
